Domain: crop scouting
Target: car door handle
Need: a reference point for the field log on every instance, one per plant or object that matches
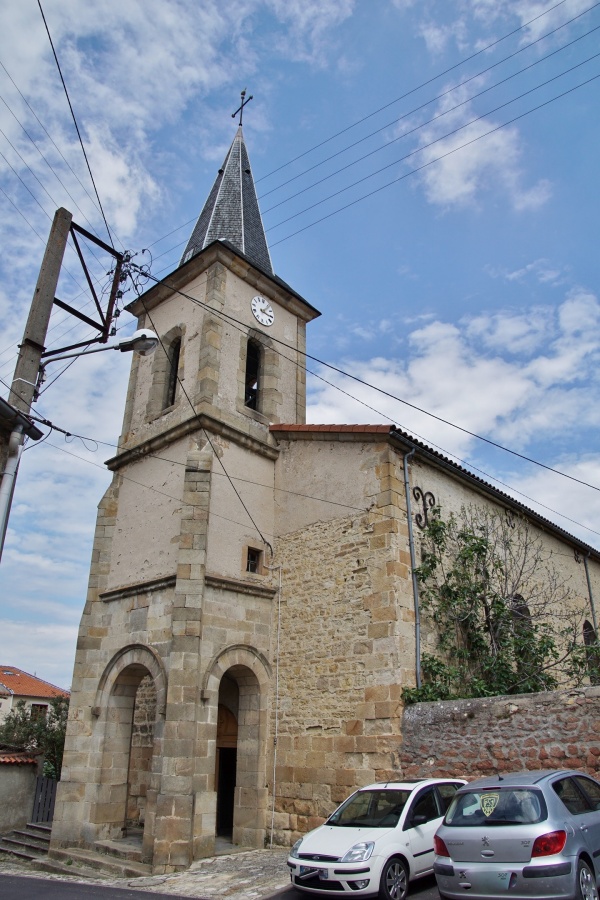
(583, 827)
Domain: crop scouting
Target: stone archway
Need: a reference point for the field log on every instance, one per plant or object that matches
(248, 674)
(127, 773)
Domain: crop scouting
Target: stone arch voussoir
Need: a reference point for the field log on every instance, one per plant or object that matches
(138, 655)
(236, 655)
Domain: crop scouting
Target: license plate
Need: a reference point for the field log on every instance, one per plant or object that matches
(321, 874)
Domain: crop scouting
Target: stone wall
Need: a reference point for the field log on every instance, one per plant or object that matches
(142, 745)
(346, 646)
(17, 792)
(471, 738)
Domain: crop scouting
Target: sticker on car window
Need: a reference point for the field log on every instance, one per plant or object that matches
(489, 802)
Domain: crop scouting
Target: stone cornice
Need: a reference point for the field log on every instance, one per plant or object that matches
(239, 587)
(143, 587)
(194, 423)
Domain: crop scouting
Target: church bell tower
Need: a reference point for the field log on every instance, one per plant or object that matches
(177, 629)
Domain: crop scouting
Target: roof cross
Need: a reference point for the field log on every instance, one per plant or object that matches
(240, 110)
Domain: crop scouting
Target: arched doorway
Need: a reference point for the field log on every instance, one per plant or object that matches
(226, 765)
(129, 708)
(238, 679)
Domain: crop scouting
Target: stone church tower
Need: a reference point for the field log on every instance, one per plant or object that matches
(179, 596)
(251, 617)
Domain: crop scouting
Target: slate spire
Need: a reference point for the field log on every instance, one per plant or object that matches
(231, 212)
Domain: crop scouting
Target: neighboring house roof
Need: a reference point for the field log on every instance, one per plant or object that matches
(21, 684)
(344, 432)
(231, 212)
(17, 758)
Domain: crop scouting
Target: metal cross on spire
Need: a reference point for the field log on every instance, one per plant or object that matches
(240, 110)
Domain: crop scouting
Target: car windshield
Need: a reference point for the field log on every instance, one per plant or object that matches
(499, 806)
(371, 809)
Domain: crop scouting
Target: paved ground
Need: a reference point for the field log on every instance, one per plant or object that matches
(249, 875)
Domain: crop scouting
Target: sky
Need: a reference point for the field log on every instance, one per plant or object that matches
(427, 174)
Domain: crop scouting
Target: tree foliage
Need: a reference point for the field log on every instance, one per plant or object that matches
(21, 730)
(505, 620)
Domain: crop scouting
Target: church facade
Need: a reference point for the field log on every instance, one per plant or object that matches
(251, 618)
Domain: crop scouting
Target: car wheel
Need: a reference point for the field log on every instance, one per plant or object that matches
(586, 883)
(394, 881)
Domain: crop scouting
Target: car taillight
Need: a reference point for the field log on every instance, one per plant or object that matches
(548, 844)
(439, 846)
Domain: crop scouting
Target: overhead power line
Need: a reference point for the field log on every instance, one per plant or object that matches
(418, 87)
(424, 166)
(403, 96)
(75, 122)
(440, 115)
(301, 353)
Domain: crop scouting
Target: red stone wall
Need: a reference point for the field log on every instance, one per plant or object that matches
(470, 738)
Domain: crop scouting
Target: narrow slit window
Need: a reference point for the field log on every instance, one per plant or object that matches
(252, 375)
(590, 640)
(253, 560)
(173, 354)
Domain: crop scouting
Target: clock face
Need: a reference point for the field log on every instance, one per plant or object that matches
(262, 311)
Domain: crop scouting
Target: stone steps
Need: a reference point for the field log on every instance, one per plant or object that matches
(31, 842)
(108, 859)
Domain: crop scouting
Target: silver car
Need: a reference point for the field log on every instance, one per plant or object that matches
(531, 834)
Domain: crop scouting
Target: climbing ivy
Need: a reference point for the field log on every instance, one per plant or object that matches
(502, 618)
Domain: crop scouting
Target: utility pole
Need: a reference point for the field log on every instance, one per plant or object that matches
(30, 354)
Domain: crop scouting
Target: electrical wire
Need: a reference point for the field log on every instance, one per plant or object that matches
(207, 436)
(418, 87)
(41, 124)
(437, 140)
(75, 122)
(301, 494)
(443, 94)
(423, 84)
(301, 353)
(435, 118)
(424, 166)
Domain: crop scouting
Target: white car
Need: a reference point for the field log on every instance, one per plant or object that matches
(377, 841)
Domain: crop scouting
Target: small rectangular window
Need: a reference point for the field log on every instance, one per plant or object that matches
(253, 560)
(38, 710)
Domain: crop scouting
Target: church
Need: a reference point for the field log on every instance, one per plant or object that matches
(251, 617)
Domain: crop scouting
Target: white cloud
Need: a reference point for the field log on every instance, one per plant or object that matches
(47, 651)
(516, 377)
(542, 270)
(476, 158)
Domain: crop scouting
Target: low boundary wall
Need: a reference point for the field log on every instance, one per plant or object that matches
(470, 738)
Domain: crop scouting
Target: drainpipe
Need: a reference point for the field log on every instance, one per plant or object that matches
(276, 734)
(591, 596)
(413, 565)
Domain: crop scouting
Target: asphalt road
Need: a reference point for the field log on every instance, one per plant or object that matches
(17, 887)
(424, 889)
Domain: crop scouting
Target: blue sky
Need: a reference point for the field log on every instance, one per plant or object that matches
(468, 286)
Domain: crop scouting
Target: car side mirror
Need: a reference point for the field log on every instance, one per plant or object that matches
(418, 820)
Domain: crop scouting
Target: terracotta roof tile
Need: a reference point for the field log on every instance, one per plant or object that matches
(335, 429)
(22, 684)
(17, 759)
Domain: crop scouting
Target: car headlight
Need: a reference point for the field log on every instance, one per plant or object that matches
(360, 852)
(295, 848)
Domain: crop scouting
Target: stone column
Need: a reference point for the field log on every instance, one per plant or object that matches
(176, 800)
